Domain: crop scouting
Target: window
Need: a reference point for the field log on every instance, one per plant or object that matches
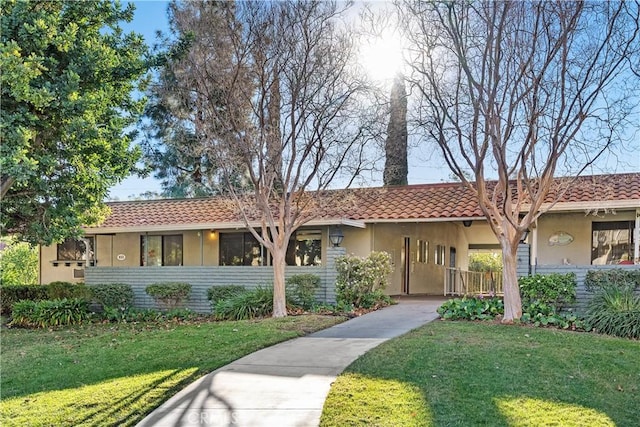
(241, 249)
(422, 255)
(439, 255)
(612, 242)
(161, 250)
(305, 248)
(76, 250)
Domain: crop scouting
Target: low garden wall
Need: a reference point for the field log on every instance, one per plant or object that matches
(202, 278)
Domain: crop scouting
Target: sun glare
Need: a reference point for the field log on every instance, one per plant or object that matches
(381, 57)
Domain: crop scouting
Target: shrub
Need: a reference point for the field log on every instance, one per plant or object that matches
(556, 290)
(358, 277)
(302, 289)
(47, 313)
(9, 295)
(169, 295)
(614, 311)
(617, 278)
(113, 295)
(218, 293)
(471, 308)
(253, 303)
(68, 290)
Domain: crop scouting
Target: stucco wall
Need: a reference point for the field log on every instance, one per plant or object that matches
(62, 272)
(578, 225)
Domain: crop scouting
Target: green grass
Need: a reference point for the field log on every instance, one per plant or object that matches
(115, 374)
(475, 374)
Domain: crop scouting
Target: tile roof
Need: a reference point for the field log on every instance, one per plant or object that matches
(412, 202)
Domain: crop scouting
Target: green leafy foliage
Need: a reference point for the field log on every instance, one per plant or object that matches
(614, 310)
(302, 289)
(617, 278)
(361, 279)
(48, 313)
(218, 293)
(557, 290)
(169, 295)
(257, 302)
(61, 290)
(545, 298)
(18, 263)
(113, 295)
(485, 261)
(471, 308)
(9, 295)
(68, 78)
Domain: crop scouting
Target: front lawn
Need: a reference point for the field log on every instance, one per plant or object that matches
(473, 374)
(115, 374)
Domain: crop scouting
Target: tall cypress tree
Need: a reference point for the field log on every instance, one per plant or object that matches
(395, 167)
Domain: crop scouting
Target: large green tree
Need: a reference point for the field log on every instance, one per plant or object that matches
(68, 78)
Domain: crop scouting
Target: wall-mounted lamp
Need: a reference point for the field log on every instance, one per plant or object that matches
(524, 236)
(336, 236)
(467, 222)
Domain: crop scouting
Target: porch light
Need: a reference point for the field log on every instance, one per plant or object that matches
(524, 236)
(336, 236)
(467, 222)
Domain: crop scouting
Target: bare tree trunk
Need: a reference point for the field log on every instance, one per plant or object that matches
(279, 265)
(512, 301)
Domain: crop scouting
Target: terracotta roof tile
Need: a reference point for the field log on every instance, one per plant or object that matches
(424, 201)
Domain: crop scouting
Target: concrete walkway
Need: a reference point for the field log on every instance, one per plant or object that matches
(287, 384)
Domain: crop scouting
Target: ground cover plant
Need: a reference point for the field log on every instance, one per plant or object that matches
(478, 373)
(115, 374)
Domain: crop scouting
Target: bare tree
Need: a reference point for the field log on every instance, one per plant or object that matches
(524, 91)
(283, 103)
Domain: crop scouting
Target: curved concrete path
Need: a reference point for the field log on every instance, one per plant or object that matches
(287, 384)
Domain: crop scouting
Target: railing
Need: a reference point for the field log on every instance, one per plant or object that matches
(463, 282)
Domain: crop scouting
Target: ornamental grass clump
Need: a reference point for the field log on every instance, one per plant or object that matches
(615, 306)
(257, 302)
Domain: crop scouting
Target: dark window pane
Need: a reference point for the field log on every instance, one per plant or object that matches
(172, 250)
(231, 249)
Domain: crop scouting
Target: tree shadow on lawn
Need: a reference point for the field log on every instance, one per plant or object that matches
(481, 374)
